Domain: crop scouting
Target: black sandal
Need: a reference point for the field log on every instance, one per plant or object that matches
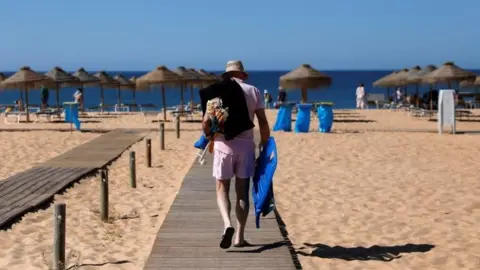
(227, 238)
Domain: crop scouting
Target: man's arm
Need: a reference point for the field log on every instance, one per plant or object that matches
(263, 125)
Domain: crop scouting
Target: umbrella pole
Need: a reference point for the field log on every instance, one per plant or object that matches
(134, 98)
(58, 97)
(430, 97)
(304, 95)
(417, 103)
(164, 104)
(101, 98)
(388, 94)
(26, 103)
(119, 97)
(181, 98)
(191, 96)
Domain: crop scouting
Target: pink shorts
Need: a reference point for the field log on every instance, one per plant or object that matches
(240, 164)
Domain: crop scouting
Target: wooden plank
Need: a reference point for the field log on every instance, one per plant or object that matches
(190, 235)
(212, 263)
(28, 189)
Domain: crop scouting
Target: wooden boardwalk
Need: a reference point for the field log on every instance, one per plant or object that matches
(30, 189)
(190, 235)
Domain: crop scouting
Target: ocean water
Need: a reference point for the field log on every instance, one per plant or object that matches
(341, 93)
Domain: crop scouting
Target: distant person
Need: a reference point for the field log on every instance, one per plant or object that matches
(78, 96)
(361, 97)
(282, 95)
(399, 95)
(44, 94)
(267, 99)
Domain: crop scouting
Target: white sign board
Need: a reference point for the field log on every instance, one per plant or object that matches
(446, 110)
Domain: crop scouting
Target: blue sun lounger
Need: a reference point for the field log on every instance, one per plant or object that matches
(262, 190)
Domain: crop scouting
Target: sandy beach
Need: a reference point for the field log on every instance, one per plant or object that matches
(357, 199)
(367, 196)
(136, 214)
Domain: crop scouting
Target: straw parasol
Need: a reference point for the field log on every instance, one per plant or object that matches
(463, 84)
(160, 76)
(85, 78)
(190, 78)
(24, 79)
(105, 81)
(448, 73)
(417, 77)
(305, 77)
(59, 78)
(133, 80)
(386, 81)
(207, 77)
(123, 84)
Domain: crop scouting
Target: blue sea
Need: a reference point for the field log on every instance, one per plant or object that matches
(341, 93)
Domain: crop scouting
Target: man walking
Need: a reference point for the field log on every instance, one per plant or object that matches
(236, 157)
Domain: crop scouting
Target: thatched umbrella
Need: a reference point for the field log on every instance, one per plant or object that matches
(160, 76)
(123, 84)
(203, 80)
(448, 73)
(24, 79)
(190, 78)
(86, 79)
(133, 80)
(464, 84)
(106, 81)
(417, 78)
(386, 81)
(60, 78)
(207, 77)
(305, 77)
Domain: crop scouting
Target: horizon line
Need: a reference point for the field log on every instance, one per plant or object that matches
(215, 70)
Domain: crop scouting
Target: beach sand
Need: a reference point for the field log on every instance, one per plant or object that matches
(136, 214)
(368, 183)
(341, 194)
(21, 150)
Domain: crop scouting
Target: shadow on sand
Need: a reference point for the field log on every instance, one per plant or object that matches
(374, 253)
(353, 121)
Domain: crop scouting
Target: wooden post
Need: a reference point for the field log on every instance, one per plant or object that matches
(133, 173)
(148, 146)
(162, 136)
(104, 195)
(59, 216)
(177, 119)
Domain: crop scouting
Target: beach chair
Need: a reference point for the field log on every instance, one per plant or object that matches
(47, 114)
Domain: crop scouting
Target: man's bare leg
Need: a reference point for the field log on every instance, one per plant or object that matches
(223, 201)
(242, 187)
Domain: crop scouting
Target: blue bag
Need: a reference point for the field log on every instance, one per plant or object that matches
(302, 124)
(262, 190)
(71, 115)
(325, 117)
(201, 143)
(284, 119)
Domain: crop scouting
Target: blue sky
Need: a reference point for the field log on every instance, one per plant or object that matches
(265, 34)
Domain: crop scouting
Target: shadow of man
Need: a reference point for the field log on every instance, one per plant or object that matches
(375, 253)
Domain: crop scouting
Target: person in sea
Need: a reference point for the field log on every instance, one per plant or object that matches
(236, 157)
(44, 94)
